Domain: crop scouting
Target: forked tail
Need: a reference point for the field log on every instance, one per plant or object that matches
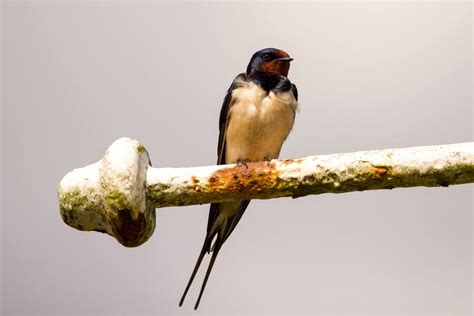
(205, 247)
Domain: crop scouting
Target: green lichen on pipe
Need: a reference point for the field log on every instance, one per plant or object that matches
(109, 196)
(119, 194)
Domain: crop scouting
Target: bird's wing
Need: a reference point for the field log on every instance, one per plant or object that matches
(223, 117)
(295, 91)
(221, 146)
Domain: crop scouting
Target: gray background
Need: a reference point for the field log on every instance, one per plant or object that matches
(77, 76)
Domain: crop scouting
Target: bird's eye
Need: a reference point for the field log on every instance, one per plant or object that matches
(266, 57)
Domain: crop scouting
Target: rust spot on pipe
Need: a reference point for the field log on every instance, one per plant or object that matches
(255, 177)
(381, 172)
(196, 185)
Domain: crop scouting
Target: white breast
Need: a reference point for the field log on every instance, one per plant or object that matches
(258, 123)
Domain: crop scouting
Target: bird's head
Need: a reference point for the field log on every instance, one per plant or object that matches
(270, 60)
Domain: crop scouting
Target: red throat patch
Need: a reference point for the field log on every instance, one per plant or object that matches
(280, 67)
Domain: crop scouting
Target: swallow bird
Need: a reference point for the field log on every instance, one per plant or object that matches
(256, 117)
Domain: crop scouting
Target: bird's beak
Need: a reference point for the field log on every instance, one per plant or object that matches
(284, 59)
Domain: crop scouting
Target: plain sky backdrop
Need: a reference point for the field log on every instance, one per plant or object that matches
(371, 75)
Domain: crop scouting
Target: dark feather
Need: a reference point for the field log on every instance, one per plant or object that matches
(271, 81)
(221, 148)
(226, 105)
(295, 91)
(213, 213)
(218, 246)
(205, 246)
(234, 220)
